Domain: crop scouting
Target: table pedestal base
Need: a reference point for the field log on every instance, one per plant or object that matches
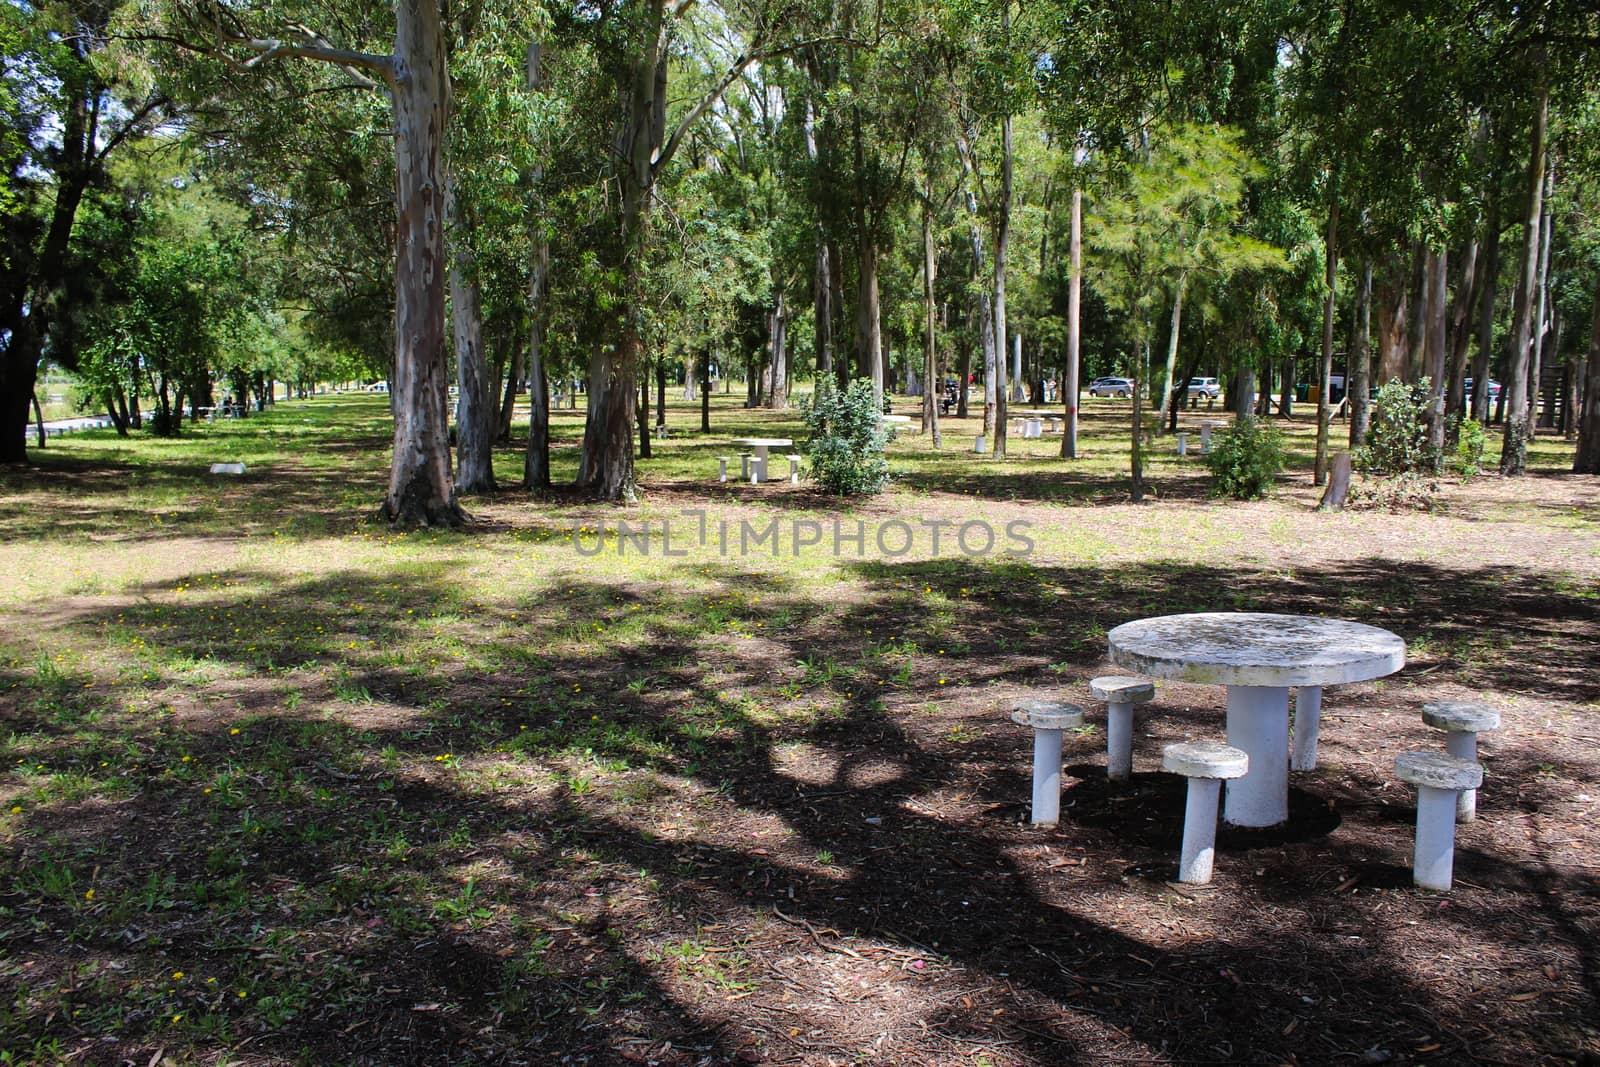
(1258, 723)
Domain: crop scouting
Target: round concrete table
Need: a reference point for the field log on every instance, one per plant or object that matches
(1258, 656)
(759, 446)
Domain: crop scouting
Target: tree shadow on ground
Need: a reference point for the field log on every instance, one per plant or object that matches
(505, 830)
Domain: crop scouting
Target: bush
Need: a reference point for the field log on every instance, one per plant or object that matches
(1467, 461)
(847, 439)
(1397, 442)
(1246, 458)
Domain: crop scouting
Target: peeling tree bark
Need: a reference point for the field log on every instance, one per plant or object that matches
(536, 465)
(475, 401)
(1514, 451)
(1069, 380)
(421, 492)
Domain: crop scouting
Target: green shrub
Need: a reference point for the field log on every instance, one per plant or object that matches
(1246, 458)
(1467, 461)
(847, 439)
(1397, 441)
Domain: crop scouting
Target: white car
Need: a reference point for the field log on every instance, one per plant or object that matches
(1122, 388)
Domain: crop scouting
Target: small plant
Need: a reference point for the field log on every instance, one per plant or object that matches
(1467, 460)
(1397, 442)
(847, 440)
(1246, 458)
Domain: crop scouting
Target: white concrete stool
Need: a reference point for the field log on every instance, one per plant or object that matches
(758, 469)
(1439, 780)
(1183, 443)
(1205, 435)
(744, 465)
(1307, 725)
(1120, 695)
(1205, 764)
(980, 445)
(794, 470)
(1047, 718)
(722, 468)
(1030, 429)
(1462, 720)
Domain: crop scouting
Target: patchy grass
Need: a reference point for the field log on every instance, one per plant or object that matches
(278, 786)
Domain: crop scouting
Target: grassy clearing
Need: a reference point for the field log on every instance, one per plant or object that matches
(277, 779)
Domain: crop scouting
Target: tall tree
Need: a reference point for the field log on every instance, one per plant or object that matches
(64, 121)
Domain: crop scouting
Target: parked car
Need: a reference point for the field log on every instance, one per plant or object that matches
(1494, 391)
(1206, 387)
(1117, 387)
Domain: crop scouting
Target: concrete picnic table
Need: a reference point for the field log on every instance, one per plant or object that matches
(1259, 656)
(759, 446)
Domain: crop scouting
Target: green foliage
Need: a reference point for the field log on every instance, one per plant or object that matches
(1173, 221)
(1397, 442)
(847, 439)
(1470, 440)
(1246, 458)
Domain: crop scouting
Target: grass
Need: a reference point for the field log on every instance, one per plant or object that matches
(281, 776)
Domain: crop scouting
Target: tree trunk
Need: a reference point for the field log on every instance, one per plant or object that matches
(1360, 384)
(475, 401)
(778, 353)
(1479, 401)
(1417, 340)
(933, 387)
(508, 400)
(644, 414)
(964, 386)
(1172, 348)
(661, 393)
(869, 323)
(705, 391)
(1467, 285)
(1435, 346)
(1324, 408)
(1588, 457)
(1514, 450)
(536, 465)
(1069, 378)
(1136, 439)
(421, 491)
(607, 468)
(1002, 245)
(1536, 362)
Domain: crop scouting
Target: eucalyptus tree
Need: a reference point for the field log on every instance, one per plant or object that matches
(239, 39)
(991, 82)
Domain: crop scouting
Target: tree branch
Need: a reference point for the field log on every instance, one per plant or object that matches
(732, 75)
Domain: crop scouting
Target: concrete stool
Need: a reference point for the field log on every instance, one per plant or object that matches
(758, 469)
(794, 470)
(1047, 718)
(1205, 435)
(1205, 764)
(1307, 725)
(744, 466)
(1439, 780)
(722, 468)
(1462, 720)
(1183, 443)
(1120, 695)
(980, 445)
